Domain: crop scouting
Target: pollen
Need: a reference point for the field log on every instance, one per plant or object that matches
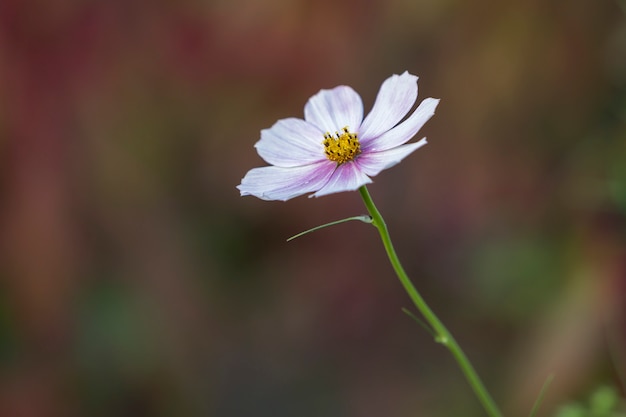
(343, 147)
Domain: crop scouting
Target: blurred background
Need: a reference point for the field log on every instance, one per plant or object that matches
(134, 281)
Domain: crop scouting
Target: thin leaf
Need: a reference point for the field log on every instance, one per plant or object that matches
(364, 219)
(541, 394)
(420, 322)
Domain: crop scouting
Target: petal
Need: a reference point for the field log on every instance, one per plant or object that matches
(290, 143)
(395, 98)
(332, 110)
(373, 162)
(347, 177)
(280, 183)
(405, 130)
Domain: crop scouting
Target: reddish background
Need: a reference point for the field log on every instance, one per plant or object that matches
(134, 281)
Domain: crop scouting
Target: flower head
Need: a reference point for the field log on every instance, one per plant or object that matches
(334, 149)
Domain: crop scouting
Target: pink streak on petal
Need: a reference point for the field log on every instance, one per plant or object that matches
(373, 163)
(279, 183)
(395, 98)
(405, 130)
(347, 177)
(291, 142)
(332, 110)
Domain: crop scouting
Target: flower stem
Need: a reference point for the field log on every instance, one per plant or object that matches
(442, 335)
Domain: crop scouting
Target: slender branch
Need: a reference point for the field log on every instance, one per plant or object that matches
(443, 336)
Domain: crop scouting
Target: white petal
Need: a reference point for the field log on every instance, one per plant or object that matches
(347, 177)
(373, 162)
(332, 110)
(395, 98)
(279, 183)
(291, 142)
(405, 130)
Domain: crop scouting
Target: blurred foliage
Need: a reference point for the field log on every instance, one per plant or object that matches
(603, 402)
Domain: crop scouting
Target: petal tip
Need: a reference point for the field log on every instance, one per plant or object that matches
(407, 74)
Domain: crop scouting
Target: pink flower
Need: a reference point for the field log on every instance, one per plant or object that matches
(334, 149)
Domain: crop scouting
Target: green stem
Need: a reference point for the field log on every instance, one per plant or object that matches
(443, 336)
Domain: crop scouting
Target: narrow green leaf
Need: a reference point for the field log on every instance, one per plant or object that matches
(420, 322)
(544, 388)
(364, 219)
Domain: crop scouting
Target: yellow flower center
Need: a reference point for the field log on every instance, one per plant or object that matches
(343, 147)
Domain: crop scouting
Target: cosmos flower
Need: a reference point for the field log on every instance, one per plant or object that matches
(334, 149)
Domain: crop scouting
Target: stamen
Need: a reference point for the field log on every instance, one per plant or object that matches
(343, 147)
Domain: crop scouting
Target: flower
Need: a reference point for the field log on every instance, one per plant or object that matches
(334, 149)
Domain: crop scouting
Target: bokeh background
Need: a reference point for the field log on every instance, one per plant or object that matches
(134, 281)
